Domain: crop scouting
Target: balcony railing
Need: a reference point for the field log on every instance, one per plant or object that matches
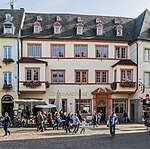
(126, 84)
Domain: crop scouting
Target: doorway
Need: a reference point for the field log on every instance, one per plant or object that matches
(102, 110)
(7, 105)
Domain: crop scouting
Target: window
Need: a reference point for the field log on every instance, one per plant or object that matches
(80, 51)
(99, 29)
(64, 105)
(126, 75)
(119, 30)
(8, 28)
(57, 30)
(85, 106)
(7, 52)
(115, 75)
(79, 30)
(81, 76)
(34, 50)
(119, 106)
(101, 51)
(58, 76)
(120, 52)
(7, 77)
(32, 74)
(147, 54)
(58, 51)
(147, 79)
(36, 29)
(101, 76)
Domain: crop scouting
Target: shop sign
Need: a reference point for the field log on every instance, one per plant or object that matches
(68, 93)
(141, 88)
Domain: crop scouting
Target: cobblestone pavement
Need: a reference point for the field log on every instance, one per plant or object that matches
(128, 136)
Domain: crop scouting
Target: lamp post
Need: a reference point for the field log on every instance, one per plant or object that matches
(79, 105)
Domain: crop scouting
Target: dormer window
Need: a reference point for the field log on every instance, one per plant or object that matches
(8, 25)
(57, 28)
(37, 27)
(119, 30)
(79, 28)
(8, 28)
(99, 29)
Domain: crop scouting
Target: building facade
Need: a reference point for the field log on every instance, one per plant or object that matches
(10, 24)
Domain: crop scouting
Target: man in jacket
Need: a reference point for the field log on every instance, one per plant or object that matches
(6, 122)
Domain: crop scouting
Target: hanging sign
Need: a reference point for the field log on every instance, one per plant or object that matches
(141, 88)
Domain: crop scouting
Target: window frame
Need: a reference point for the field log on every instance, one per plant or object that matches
(119, 28)
(101, 52)
(101, 71)
(120, 52)
(148, 80)
(7, 51)
(32, 73)
(57, 50)
(11, 81)
(60, 70)
(81, 76)
(6, 29)
(126, 75)
(148, 55)
(80, 48)
(34, 48)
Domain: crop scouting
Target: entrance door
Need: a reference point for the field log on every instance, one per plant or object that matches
(102, 110)
(7, 105)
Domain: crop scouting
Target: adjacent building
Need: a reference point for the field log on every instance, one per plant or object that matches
(10, 25)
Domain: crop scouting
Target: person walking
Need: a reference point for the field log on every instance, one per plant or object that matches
(40, 121)
(111, 122)
(57, 118)
(75, 123)
(67, 123)
(94, 118)
(83, 125)
(6, 122)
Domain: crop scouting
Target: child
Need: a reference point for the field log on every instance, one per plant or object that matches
(83, 124)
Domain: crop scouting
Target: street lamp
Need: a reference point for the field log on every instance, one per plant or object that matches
(79, 105)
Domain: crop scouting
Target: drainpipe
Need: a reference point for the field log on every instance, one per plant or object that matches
(137, 59)
(18, 66)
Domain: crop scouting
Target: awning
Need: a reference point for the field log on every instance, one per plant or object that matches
(19, 101)
(48, 106)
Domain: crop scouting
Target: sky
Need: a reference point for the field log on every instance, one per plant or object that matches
(123, 8)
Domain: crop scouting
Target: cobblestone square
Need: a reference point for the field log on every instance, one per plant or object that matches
(128, 136)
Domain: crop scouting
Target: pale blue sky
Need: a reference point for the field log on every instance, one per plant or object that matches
(125, 8)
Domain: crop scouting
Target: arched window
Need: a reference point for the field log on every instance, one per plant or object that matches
(79, 28)
(37, 27)
(99, 29)
(57, 28)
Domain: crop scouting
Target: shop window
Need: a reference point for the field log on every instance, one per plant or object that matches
(119, 106)
(85, 106)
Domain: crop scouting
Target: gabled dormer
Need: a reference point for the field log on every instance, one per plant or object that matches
(37, 27)
(57, 26)
(8, 27)
(79, 26)
(119, 30)
(99, 29)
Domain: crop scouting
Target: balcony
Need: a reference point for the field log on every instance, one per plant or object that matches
(123, 86)
(33, 86)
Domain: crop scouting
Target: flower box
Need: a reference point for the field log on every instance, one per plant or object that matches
(8, 60)
(32, 84)
(127, 84)
(7, 86)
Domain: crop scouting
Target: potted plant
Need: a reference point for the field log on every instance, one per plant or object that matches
(32, 84)
(8, 60)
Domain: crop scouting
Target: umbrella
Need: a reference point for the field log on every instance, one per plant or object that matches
(58, 101)
(46, 106)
